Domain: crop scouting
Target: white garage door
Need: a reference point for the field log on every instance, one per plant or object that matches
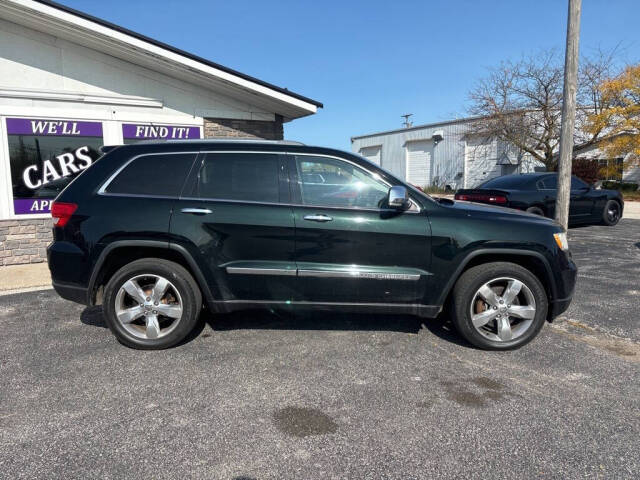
(373, 154)
(419, 162)
(480, 156)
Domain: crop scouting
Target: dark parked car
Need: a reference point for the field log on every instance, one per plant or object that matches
(152, 230)
(536, 193)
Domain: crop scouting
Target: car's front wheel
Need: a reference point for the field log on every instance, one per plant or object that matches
(151, 304)
(499, 306)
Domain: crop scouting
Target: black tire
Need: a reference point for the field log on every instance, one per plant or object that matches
(536, 211)
(472, 280)
(182, 281)
(611, 213)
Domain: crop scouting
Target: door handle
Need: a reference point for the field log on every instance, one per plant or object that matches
(318, 218)
(197, 211)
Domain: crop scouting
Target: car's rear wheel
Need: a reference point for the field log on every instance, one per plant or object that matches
(536, 211)
(151, 304)
(499, 306)
(611, 213)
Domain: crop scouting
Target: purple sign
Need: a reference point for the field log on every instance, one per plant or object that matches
(165, 132)
(30, 206)
(35, 126)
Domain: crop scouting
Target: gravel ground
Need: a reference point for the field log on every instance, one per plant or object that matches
(259, 395)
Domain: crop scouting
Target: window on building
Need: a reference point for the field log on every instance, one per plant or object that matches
(45, 155)
(250, 177)
(156, 175)
(335, 183)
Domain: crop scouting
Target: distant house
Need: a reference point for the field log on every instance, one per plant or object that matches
(446, 155)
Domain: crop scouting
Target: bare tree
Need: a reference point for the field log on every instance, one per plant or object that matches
(520, 102)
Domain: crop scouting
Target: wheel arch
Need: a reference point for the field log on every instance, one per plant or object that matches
(533, 261)
(539, 205)
(119, 253)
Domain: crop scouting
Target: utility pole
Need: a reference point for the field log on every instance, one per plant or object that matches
(568, 113)
(407, 123)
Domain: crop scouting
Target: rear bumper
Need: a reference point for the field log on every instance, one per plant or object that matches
(73, 293)
(67, 264)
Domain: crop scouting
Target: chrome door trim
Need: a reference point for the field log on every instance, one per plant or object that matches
(359, 274)
(261, 271)
(292, 272)
(318, 218)
(197, 211)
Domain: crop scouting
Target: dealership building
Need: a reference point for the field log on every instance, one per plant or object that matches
(70, 83)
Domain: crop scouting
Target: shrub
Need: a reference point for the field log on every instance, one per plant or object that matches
(587, 170)
(622, 186)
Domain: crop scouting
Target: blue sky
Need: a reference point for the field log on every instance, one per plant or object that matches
(371, 61)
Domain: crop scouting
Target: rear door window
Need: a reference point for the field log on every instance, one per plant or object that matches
(253, 177)
(153, 175)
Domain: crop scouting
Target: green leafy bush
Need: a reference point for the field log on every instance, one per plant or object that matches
(622, 186)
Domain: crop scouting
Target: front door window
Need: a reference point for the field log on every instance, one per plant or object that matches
(331, 182)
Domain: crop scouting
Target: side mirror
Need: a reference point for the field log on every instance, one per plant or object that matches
(398, 197)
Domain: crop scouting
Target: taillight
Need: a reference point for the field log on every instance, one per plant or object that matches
(481, 197)
(61, 213)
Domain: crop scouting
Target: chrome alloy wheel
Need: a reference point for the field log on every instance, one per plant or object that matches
(503, 309)
(148, 306)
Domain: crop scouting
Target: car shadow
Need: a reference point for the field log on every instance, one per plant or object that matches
(256, 319)
(441, 326)
(92, 316)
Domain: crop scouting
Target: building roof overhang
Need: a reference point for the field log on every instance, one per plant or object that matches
(91, 32)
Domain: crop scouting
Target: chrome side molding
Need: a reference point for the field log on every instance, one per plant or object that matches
(324, 273)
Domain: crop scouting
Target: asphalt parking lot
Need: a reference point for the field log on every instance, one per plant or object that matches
(263, 395)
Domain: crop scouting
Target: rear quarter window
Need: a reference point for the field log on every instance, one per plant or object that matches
(154, 174)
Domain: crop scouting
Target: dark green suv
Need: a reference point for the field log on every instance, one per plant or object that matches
(152, 230)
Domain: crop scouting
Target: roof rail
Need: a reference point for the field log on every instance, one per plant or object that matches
(222, 140)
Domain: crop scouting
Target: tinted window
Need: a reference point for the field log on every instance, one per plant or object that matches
(577, 184)
(336, 183)
(548, 183)
(239, 176)
(162, 174)
(507, 181)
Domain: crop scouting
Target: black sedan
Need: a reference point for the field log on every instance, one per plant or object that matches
(536, 193)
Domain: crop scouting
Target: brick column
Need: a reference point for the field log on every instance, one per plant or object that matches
(24, 241)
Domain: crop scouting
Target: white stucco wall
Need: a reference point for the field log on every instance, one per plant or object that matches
(40, 62)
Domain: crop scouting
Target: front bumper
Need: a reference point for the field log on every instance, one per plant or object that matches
(566, 277)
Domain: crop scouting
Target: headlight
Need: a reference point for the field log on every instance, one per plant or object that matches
(561, 240)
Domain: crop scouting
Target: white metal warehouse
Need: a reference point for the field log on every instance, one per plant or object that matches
(442, 154)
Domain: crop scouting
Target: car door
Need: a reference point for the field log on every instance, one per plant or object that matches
(581, 204)
(548, 189)
(235, 219)
(350, 248)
